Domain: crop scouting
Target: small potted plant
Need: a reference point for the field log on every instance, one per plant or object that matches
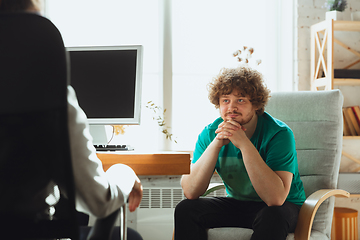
(335, 9)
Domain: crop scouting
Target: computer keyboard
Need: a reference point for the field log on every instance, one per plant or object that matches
(113, 148)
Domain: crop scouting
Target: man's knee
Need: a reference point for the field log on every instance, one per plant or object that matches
(271, 215)
(272, 221)
(184, 207)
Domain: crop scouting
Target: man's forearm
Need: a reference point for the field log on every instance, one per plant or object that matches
(271, 188)
(196, 183)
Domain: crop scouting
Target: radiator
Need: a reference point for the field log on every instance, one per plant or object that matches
(155, 216)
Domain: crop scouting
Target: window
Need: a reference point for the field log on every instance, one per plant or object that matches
(114, 22)
(205, 34)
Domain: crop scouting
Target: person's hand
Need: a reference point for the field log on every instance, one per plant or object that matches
(230, 130)
(222, 137)
(135, 195)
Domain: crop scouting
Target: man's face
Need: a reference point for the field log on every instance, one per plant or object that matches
(236, 107)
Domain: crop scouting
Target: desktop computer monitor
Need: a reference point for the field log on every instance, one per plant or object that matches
(107, 81)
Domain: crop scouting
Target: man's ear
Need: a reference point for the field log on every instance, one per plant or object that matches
(256, 107)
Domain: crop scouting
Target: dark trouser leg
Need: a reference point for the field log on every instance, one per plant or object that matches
(131, 233)
(193, 217)
(274, 223)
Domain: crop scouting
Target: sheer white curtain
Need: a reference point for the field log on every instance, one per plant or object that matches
(205, 33)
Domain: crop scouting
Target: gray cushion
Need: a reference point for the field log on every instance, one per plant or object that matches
(316, 120)
(243, 233)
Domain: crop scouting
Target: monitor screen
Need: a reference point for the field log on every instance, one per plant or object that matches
(107, 82)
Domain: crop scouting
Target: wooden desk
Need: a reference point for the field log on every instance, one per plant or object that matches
(161, 163)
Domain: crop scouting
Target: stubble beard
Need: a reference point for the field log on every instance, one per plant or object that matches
(241, 121)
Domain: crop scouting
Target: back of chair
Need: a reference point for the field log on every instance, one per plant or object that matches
(35, 163)
(316, 120)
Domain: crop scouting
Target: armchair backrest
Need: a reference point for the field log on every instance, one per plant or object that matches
(35, 162)
(317, 123)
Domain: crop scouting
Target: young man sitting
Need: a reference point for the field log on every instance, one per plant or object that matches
(255, 156)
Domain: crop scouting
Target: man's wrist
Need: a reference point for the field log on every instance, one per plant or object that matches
(216, 144)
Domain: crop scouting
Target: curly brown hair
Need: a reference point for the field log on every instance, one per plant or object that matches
(247, 81)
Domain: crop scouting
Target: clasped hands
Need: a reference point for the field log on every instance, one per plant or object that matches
(230, 130)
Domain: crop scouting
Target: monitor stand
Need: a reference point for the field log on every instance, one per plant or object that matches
(98, 132)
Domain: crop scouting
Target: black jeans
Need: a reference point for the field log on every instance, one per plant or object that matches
(193, 217)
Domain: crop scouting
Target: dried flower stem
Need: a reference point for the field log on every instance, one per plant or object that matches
(244, 55)
(159, 117)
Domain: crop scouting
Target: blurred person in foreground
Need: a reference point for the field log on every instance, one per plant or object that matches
(97, 192)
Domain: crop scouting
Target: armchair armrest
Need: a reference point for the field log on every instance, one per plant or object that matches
(213, 187)
(123, 223)
(309, 208)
